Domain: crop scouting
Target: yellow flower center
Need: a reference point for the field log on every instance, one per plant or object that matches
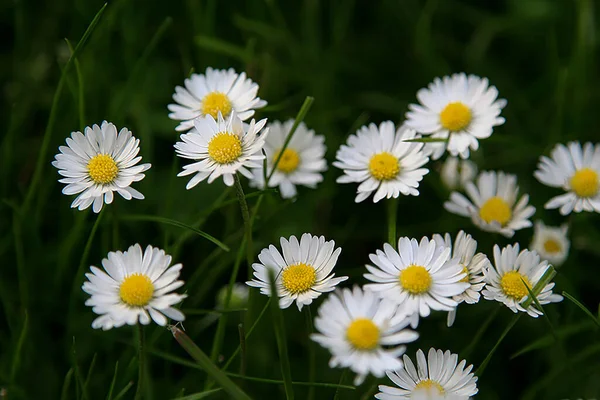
(214, 102)
(102, 169)
(289, 160)
(455, 116)
(384, 166)
(466, 278)
(415, 279)
(429, 384)
(495, 209)
(363, 334)
(225, 147)
(298, 278)
(585, 182)
(551, 246)
(136, 290)
(513, 286)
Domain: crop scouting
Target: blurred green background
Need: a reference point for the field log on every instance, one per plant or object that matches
(362, 61)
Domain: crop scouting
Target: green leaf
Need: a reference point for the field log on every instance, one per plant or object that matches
(198, 396)
(426, 140)
(16, 362)
(546, 341)
(487, 359)
(123, 391)
(66, 385)
(112, 383)
(582, 307)
(223, 47)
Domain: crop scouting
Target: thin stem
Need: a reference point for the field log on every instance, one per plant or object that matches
(141, 362)
(479, 334)
(243, 349)
(485, 362)
(311, 353)
(392, 216)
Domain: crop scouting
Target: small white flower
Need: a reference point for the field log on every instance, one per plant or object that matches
(419, 278)
(456, 173)
(302, 274)
(382, 162)
(239, 296)
(135, 287)
(438, 377)
(302, 162)
(577, 171)
(462, 108)
(221, 148)
(99, 163)
(504, 280)
(362, 332)
(493, 205)
(216, 91)
(551, 243)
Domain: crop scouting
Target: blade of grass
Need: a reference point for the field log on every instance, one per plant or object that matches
(242, 336)
(537, 288)
(541, 309)
(338, 391)
(487, 359)
(198, 396)
(582, 307)
(279, 326)
(77, 371)
(426, 140)
(20, 258)
(479, 334)
(311, 352)
(90, 371)
(547, 340)
(123, 391)
(16, 362)
(222, 47)
(80, 89)
(64, 394)
(200, 311)
(113, 382)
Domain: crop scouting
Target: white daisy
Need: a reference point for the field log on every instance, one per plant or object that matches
(302, 274)
(221, 148)
(551, 243)
(456, 173)
(438, 377)
(135, 287)
(463, 109)
(504, 280)
(216, 91)
(577, 171)
(472, 265)
(382, 161)
(420, 277)
(239, 296)
(99, 163)
(492, 204)
(302, 162)
(362, 332)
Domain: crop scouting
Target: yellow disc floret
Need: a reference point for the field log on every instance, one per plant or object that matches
(415, 279)
(214, 102)
(225, 148)
(466, 278)
(455, 116)
(136, 290)
(513, 286)
(552, 246)
(585, 182)
(289, 160)
(495, 209)
(102, 169)
(384, 166)
(363, 334)
(298, 278)
(428, 384)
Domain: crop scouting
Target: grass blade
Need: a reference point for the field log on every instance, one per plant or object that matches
(16, 362)
(90, 371)
(80, 89)
(64, 394)
(112, 383)
(487, 359)
(426, 140)
(537, 288)
(242, 335)
(198, 396)
(546, 341)
(124, 391)
(582, 307)
(78, 377)
(222, 47)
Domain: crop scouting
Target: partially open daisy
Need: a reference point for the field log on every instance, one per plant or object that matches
(551, 242)
(472, 264)
(459, 108)
(302, 274)
(493, 205)
(99, 163)
(221, 148)
(577, 171)
(216, 91)
(134, 287)
(302, 162)
(456, 173)
(419, 278)
(382, 161)
(440, 376)
(362, 332)
(507, 281)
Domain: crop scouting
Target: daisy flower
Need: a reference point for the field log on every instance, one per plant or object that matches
(134, 286)
(419, 278)
(577, 171)
(363, 332)
(493, 205)
(301, 163)
(99, 163)
(551, 243)
(459, 108)
(302, 274)
(382, 161)
(437, 377)
(221, 148)
(216, 91)
(472, 265)
(506, 280)
(456, 173)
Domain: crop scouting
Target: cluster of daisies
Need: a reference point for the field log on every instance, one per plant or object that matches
(366, 329)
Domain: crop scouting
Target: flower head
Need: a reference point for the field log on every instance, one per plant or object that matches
(456, 173)
(239, 296)
(551, 243)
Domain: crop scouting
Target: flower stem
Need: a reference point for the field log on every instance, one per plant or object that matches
(141, 362)
(485, 362)
(392, 216)
(311, 353)
(239, 191)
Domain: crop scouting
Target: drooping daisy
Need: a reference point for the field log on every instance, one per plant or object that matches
(302, 274)
(134, 286)
(216, 91)
(363, 332)
(472, 265)
(493, 205)
(221, 148)
(99, 163)
(382, 161)
(437, 377)
(551, 243)
(420, 277)
(504, 280)
(301, 163)
(459, 108)
(577, 171)
(456, 173)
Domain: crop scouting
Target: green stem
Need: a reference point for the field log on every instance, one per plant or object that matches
(239, 191)
(141, 362)
(479, 334)
(485, 362)
(392, 215)
(311, 353)
(279, 325)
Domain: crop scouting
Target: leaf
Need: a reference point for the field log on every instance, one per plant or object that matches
(426, 140)
(582, 307)
(199, 395)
